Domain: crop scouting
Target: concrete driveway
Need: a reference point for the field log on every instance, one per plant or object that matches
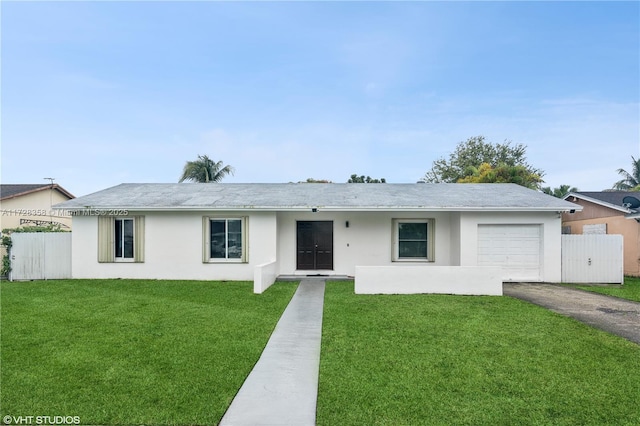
(617, 316)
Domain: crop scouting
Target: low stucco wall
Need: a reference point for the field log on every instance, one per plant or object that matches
(264, 276)
(469, 280)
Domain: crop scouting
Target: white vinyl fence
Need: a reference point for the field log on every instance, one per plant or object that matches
(592, 259)
(40, 256)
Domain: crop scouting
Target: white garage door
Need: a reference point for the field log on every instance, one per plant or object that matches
(516, 248)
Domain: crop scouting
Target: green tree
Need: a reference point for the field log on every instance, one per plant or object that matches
(560, 191)
(362, 179)
(502, 174)
(630, 181)
(472, 153)
(205, 170)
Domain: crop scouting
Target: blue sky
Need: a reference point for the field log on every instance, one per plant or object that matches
(99, 93)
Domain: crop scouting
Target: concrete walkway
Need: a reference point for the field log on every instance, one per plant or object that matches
(282, 388)
(617, 316)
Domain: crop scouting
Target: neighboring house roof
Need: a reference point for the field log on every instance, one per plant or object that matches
(612, 199)
(332, 196)
(8, 191)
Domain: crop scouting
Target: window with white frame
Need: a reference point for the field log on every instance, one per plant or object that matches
(123, 234)
(413, 240)
(224, 239)
(120, 239)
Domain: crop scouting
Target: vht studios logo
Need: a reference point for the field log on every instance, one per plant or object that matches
(41, 420)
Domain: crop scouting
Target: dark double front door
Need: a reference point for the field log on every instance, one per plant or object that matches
(315, 245)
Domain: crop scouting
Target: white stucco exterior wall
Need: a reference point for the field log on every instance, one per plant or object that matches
(174, 240)
(455, 238)
(173, 248)
(366, 242)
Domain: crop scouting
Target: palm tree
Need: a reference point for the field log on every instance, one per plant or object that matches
(205, 170)
(630, 181)
(560, 191)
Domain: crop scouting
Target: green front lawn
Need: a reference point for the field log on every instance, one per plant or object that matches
(131, 351)
(176, 352)
(630, 290)
(456, 360)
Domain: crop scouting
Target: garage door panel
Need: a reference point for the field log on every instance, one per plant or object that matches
(515, 248)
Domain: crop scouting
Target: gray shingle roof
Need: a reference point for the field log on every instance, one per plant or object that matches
(303, 196)
(614, 198)
(9, 190)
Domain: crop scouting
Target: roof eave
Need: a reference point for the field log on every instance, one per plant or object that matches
(596, 201)
(115, 209)
(42, 188)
